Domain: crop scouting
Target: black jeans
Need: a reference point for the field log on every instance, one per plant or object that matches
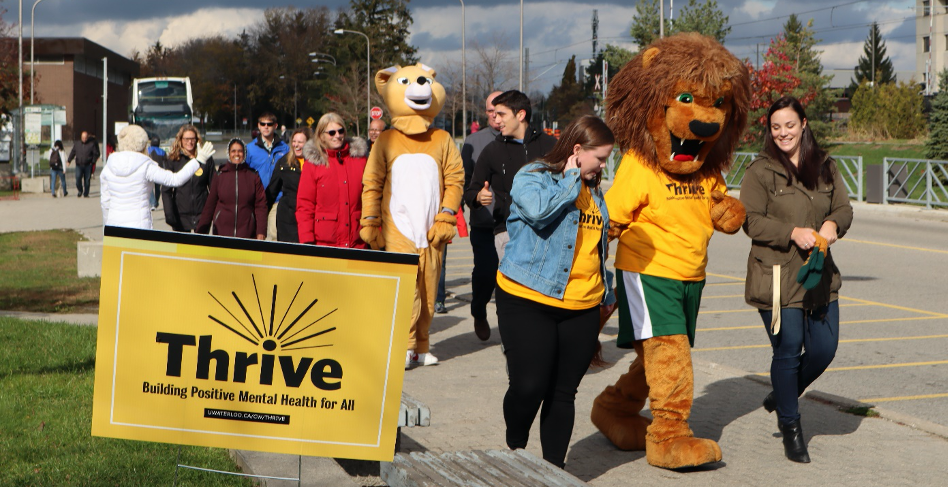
(548, 351)
(484, 273)
(816, 332)
(83, 178)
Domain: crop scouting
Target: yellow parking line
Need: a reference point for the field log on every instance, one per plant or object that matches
(903, 398)
(882, 366)
(724, 276)
(852, 322)
(755, 310)
(893, 306)
(895, 245)
(853, 340)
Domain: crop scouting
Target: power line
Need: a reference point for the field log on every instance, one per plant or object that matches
(797, 13)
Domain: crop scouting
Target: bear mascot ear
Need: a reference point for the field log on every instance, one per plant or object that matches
(383, 76)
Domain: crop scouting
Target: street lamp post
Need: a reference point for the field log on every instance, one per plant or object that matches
(368, 79)
(520, 71)
(32, 48)
(20, 124)
(464, 97)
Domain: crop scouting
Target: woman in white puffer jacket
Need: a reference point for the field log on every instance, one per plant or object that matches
(130, 175)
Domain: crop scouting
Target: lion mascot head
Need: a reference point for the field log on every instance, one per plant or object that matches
(412, 95)
(681, 104)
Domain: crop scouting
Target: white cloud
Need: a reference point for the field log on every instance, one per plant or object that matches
(125, 37)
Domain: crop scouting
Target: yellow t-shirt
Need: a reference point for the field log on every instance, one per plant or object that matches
(585, 285)
(669, 221)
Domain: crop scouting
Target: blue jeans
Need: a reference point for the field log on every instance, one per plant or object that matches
(83, 179)
(440, 293)
(817, 332)
(55, 175)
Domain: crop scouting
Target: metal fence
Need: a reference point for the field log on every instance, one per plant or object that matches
(916, 181)
(851, 169)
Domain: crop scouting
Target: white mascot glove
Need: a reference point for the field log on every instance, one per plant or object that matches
(205, 152)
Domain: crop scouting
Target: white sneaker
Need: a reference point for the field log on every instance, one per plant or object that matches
(409, 355)
(424, 359)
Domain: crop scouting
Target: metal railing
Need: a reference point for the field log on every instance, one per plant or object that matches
(851, 169)
(916, 181)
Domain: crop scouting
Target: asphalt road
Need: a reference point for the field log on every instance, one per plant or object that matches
(893, 334)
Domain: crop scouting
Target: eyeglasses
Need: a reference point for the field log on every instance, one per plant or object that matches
(332, 133)
(266, 124)
(189, 139)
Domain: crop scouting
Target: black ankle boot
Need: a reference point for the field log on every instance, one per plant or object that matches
(768, 403)
(794, 447)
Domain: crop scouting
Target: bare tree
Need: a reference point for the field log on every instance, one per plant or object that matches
(449, 75)
(494, 64)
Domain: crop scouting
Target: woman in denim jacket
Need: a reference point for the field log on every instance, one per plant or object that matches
(553, 284)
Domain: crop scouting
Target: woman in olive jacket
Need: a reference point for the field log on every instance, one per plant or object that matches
(793, 193)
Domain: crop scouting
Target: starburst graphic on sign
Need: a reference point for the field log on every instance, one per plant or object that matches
(270, 336)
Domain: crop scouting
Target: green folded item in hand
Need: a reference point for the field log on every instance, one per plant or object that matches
(812, 270)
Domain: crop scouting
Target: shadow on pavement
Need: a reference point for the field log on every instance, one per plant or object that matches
(716, 406)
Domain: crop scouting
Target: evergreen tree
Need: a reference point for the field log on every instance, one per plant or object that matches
(873, 62)
(706, 19)
(800, 51)
(936, 145)
(566, 101)
(386, 23)
(616, 57)
(645, 28)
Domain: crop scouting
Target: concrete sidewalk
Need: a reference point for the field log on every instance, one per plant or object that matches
(465, 391)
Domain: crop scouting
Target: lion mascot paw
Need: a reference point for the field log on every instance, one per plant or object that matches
(677, 111)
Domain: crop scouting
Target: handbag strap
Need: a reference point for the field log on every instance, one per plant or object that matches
(776, 299)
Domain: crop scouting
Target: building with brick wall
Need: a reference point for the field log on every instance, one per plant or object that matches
(69, 73)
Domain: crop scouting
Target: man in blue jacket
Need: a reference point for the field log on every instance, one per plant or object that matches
(263, 153)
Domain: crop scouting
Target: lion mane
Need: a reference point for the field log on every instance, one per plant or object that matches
(639, 93)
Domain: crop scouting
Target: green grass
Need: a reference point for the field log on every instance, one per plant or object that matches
(46, 384)
(38, 273)
(874, 152)
(864, 411)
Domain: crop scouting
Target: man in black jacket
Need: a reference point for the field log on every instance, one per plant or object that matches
(515, 146)
(86, 153)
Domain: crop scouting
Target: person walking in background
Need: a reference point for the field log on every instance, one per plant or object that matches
(376, 127)
(237, 205)
(481, 226)
(263, 152)
(57, 172)
(554, 291)
(797, 207)
(286, 180)
(158, 155)
(183, 205)
(85, 152)
(518, 144)
(129, 174)
(329, 200)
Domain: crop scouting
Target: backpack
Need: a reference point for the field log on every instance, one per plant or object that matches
(55, 162)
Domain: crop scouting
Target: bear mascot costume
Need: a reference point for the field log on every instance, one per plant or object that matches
(677, 110)
(411, 189)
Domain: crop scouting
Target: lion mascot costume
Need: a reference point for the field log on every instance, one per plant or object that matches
(677, 110)
(411, 189)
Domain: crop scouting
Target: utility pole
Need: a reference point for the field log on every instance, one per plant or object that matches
(105, 105)
(596, 23)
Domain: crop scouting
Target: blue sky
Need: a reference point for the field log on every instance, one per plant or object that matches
(553, 30)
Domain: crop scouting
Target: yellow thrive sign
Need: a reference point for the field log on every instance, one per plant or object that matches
(247, 344)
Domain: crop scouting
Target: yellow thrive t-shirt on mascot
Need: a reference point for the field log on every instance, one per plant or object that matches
(671, 224)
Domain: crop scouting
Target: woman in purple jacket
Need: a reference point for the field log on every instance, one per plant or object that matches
(237, 204)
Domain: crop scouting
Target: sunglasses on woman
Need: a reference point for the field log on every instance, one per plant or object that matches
(332, 133)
